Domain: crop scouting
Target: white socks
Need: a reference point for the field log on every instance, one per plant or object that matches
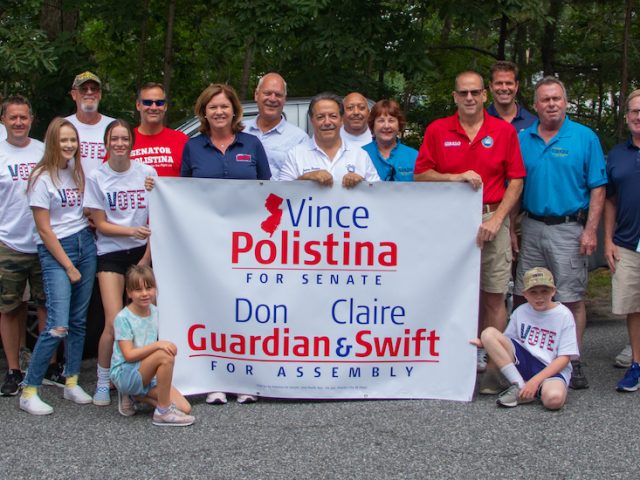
(103, 377)
(513, 375)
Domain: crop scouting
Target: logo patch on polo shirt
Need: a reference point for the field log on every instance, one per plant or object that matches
(559, 152)
(456, 143)
(487, 142)
(243, 157)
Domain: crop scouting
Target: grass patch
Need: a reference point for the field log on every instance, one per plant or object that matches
(599, 287)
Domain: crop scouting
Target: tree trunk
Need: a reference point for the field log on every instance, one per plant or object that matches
(54, 19)
(144, 29)
(168, 50)
(548, 50)
(502, 40)
(624, 85)
(246, 68)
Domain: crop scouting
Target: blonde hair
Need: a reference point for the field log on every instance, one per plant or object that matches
(52, 158)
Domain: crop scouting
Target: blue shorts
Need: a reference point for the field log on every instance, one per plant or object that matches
(527, 364)
(129, 381)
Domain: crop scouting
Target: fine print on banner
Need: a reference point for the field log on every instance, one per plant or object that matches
(293, 290)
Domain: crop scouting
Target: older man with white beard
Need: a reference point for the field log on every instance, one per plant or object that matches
(86, 91)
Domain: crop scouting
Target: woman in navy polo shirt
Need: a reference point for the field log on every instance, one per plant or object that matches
(223, 150)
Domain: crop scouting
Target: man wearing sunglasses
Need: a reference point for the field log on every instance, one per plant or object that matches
(86, 91)
(472, 146)
(156, 145)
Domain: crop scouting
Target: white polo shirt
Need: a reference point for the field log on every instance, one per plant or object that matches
(308, 157)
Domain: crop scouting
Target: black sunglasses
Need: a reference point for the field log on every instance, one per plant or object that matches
(148, 103)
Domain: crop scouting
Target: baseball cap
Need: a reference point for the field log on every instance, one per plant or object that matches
(538, 277)
(85, 77)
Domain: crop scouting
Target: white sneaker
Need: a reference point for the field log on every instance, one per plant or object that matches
(481, 360)
(216, 398)
(77, 395)
(35, 406)
(243, 398)
(624, 358)
(173, 418)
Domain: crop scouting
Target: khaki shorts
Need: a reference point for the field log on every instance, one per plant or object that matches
(496, 257)
(625, 293)
(15, 270)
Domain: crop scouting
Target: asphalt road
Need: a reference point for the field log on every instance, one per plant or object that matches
(594, 436)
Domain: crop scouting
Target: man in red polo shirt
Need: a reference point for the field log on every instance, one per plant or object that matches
(156, 145)
(472, 146)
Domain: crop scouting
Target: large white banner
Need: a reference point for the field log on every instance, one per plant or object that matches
(293, 290)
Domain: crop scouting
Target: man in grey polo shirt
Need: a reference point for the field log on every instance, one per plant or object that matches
(276, 134)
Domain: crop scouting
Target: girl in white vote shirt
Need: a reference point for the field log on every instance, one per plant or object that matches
(118, 202)
(67, 253)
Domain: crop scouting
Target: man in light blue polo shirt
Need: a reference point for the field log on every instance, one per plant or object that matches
(563, 198)
(276, 134)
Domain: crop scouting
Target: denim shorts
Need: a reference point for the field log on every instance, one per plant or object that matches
(129, 381)
(120, 261)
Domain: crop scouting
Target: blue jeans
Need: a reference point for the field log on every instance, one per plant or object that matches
(67, 305)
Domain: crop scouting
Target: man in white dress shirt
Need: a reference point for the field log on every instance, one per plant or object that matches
(326, 157)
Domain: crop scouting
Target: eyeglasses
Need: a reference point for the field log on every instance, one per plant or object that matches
(88, 88)
(474, 93)
(148, 103)
(634, 113)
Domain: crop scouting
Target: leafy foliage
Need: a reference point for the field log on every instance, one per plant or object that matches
(407, 49)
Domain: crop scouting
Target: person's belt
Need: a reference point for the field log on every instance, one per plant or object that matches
(490, 207)
(580, 216)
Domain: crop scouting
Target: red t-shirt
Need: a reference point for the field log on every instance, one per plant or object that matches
(494, 153)
(162, 151)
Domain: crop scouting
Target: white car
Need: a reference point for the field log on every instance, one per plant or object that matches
(295, 111)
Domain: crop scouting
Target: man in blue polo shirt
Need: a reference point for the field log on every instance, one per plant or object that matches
(504, 90)
(622, 235)
(563, 198)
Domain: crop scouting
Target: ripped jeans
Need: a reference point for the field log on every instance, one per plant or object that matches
(67, 305)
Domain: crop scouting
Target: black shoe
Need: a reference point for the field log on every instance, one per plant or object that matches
(12, 381)
(578, 379)
(54, 375)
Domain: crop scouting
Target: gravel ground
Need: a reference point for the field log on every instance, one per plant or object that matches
(594, 436)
